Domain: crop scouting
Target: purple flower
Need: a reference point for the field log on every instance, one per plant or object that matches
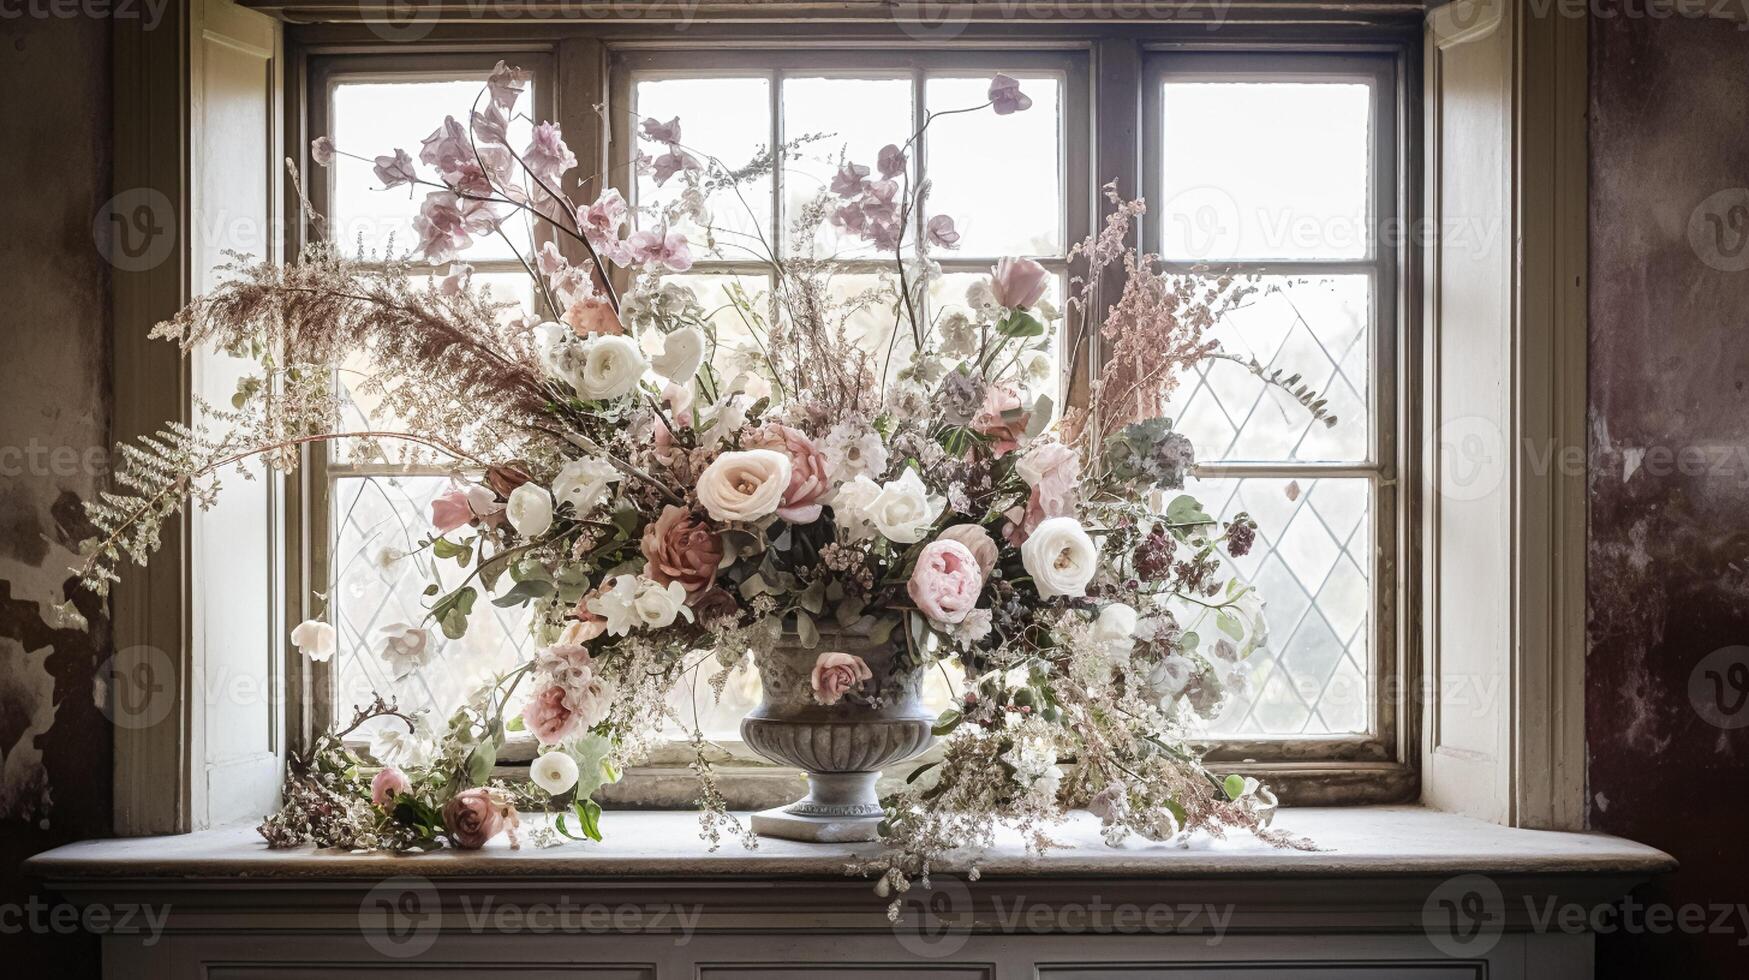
(671, 163)
(447, 147)
(661, 132)
(456, 283)
(506, 85)
(602, 220)
(850, 218)
(492, 126)
(396, 170)
(878, 203)
(322, 151)
(547, 156)
(942, 232)
(447, 224)
(848, 181)
(891, 161)
(659, 248)
(1006, 96)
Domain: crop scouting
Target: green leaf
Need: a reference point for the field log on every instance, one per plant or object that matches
(807, 631)
(444, 548)
(514, 724)
(1020, 324)
(1234, 785)
(920, 770)
(525, 592)
(949, 720)
(1189, 641)
(480, 763)
(1229, 624)
(589, 816)
(882, 630)
(1184, 509)
(848, 612)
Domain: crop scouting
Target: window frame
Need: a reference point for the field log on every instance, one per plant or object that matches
(1117, 65)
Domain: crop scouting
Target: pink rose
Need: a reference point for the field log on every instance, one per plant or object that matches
(592, 315)
(464, 505)
(548, 718)
(946, 581)
(808, 483)
(474, 816)
(1018, 283)
(681, 548)
(387, 784)
(835, 674)
(1001, 419)
(977, 541)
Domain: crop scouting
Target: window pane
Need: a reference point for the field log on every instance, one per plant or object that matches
(949, 293)
(734, 333)
(858, 116)
(1310, 564)
(1318, 328)
(730, 119)
(1274, 170)
(998, 177)
(372, 119)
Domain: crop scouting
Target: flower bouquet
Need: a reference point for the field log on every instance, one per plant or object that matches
(665, 488)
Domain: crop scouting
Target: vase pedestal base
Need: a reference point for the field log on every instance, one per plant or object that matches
(841, 807)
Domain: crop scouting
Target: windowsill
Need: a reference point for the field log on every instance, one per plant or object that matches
(1355, 842)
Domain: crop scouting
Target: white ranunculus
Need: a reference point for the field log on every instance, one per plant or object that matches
(555, 772)
(850, 508)
(657, 606)
(744, 486)
(682, 353)
(612, 365)
(405, 648)
(1060, 557)
(530, 510)
(904, 509)
(1115, 630)
(582, 483)
(314, 639)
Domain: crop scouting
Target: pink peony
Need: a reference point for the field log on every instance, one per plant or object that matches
(681, 548)
(387, 784)
(1001, 419)
(808, 483)
(1018, 283)
(977, 541)
(946, 581)
(474, 816)
(547, 717)
(835, 674)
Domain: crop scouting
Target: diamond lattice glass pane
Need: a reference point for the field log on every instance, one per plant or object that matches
(1273, 170)
(1319, 328)
(375, 520)
(729, 118)
(1310, 565)
(856, 116)
(998, 177)
(372, 119)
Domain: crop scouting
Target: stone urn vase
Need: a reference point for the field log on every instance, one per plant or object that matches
(842, 747)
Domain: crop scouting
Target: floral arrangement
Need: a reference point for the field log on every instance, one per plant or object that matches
(665, 498)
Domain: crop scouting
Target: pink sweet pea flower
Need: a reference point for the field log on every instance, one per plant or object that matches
(450, 511)
(1006, 96)
(447, 148)
(891, 161)
(602, 220)
(671, 163)
(661, 132)
(547, 156)
(506, 85)
(848, 181)
(653, 248)
(1018, 283)
(395, 170)
(941, 232)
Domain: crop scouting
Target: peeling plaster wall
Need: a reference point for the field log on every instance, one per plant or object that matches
(1668, 570)
(54, 424)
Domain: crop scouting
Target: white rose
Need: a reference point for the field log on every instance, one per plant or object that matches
(555, 772)
(583, 482)
(530, 510)
(1115, 630)
(314, 639)
(612, 365)
(1060, 557)
(657, 606)
(744, 486)
(850, 508)
(682, 353)
(405, 648)
(904, 510)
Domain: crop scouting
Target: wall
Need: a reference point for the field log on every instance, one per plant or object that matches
(54, 424)
(1669, 450)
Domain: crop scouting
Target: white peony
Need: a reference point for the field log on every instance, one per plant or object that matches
(905, 510)
(853, 449)
(314, 639)
(1115, 630)
(405, 648)
(682, 353)
(555, 772)
(850, 508)
(530, 510)
(583, 483)
(745, 485)
(1060, 557)
(612, 365)
(658, 605)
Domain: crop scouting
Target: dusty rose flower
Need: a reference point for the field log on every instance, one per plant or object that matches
(680, 548)
(835, 674)
(977, 541)
(548, 718)
(808, 482)
(592, 314)
(505, 478)
(388, 783)
(716, 603)
(1001, 419)
(1018, 283)
(946, 582)
(474, 816)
